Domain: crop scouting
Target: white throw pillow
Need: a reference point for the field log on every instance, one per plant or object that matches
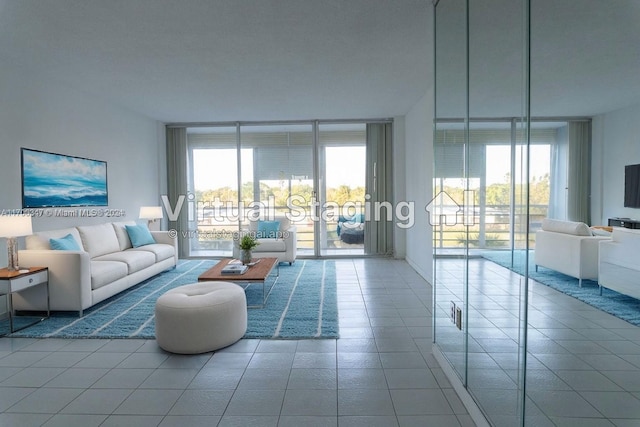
(122, 235)
(285, 223)
(40, 240)
(99, 239)
(566, 227)
(600, 232)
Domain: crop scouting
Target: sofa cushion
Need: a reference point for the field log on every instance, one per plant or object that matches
(268, 229)
(600, 231)
(139, 235)
(629, 236)
(285, 224)
(122, 235)
(161, 251)
(40, 240)
(105, 272)
(99, 239)
(566, 227)
(271, 245)
(135, 261)
(253, 226)
(66, 243)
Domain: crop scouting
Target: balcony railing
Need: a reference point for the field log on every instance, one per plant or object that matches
(216, 233)
(493, 231)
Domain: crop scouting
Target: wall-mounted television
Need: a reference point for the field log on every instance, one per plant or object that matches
(632, 186)
(59, 180)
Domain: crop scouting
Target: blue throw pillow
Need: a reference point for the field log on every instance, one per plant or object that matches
(268, 229)
(66, 243)
(139, 235)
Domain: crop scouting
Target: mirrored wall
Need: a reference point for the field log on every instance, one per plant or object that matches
(518, 86)
(481, 142)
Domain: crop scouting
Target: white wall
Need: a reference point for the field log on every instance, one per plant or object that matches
(616, 143)
(46, 116)
(419, 188)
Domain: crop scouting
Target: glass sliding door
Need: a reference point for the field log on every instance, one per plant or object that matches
(281, 179)
(213, 198)
(342, 181)
(317, 174)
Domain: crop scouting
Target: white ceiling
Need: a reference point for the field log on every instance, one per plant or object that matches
(228, 60)
(585, 57)
(219, 60)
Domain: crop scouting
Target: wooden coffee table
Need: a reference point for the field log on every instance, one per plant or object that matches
(258, 273)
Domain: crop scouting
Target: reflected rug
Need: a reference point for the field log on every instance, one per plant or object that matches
(612, 302)
(302, 305)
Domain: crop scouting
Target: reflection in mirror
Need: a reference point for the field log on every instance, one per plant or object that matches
(530, 354)
(450, 237)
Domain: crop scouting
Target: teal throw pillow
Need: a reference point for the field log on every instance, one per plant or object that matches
(139, 235)
(268, 229)
(66, 243)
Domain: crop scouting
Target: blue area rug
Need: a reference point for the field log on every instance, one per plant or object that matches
(303, 304)
(612, 302)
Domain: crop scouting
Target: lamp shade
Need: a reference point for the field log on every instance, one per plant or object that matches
(150, 212)
(15, 225)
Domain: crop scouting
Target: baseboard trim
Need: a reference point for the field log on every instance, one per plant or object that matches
(472, 408)
(418, 270)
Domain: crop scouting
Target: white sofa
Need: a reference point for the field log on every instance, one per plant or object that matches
(619, 266)
(568, 247)
(283, 246)
(106, 264)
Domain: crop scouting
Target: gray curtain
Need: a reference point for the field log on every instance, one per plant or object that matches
(378, 231)
(579, 172)
(558, 184)
(177, 173)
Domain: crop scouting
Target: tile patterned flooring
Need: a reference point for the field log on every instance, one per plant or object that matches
(381, 372)
(583, 365)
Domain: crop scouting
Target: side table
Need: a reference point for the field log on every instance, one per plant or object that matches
(16, 281)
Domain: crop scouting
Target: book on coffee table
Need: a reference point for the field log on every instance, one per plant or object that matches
(234, 269)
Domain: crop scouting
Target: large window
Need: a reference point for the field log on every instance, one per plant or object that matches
(316, 173)
(214, 181)
(342, 153)
(282, 179)
(493, 154)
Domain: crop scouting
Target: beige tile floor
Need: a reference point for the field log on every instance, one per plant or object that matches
(379, 373)
(583, 364)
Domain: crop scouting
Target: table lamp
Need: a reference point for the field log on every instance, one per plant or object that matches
(12, 226)
(151, 213)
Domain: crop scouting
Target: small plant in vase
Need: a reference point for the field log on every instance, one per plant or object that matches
(246, 244)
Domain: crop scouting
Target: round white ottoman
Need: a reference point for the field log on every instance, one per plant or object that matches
(201, 317)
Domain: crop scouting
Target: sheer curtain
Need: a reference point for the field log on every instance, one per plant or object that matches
(177, 173)
(558, 177)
